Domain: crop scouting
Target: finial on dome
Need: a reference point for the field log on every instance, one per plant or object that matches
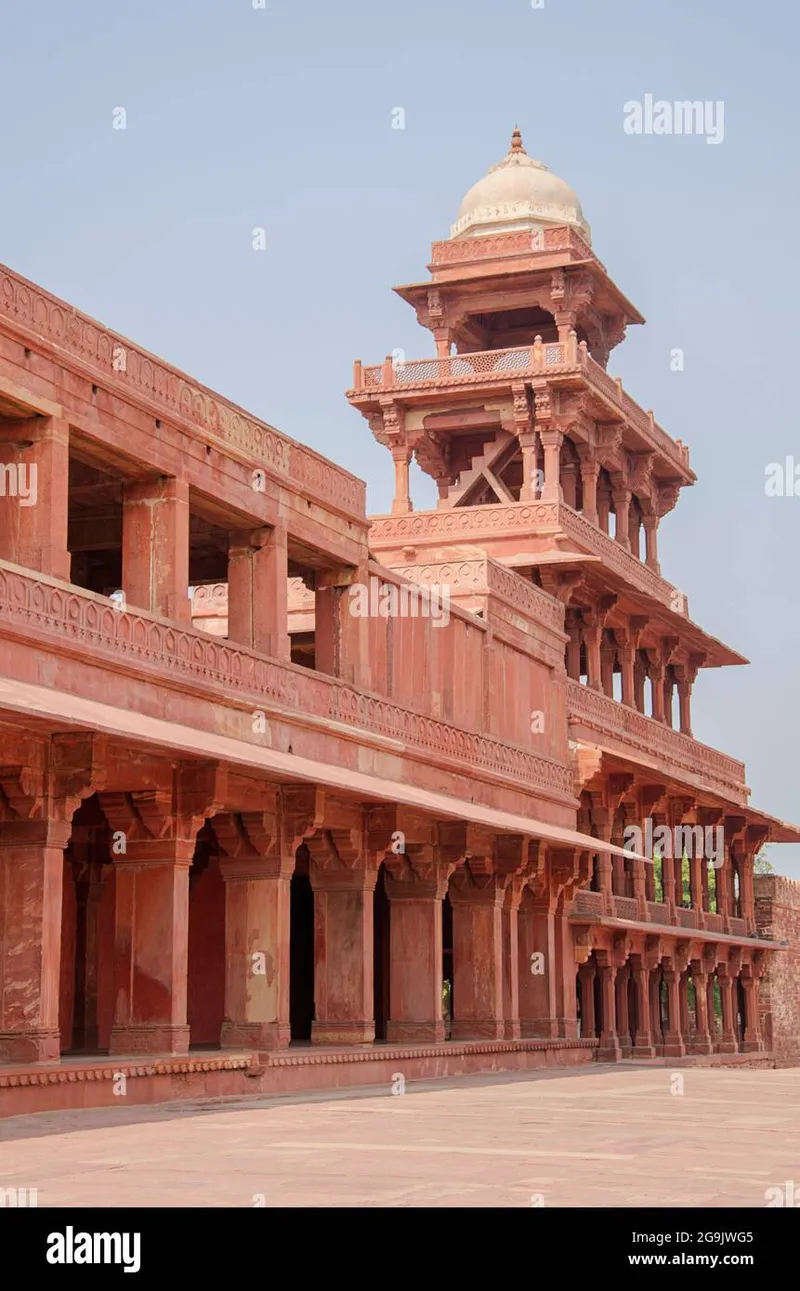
(516, 141)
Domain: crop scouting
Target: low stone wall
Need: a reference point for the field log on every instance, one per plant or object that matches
(111, 1082)
(778, 915)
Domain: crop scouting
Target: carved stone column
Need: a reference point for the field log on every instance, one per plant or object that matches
(551, 443)
(529, 490)
(623, 1015)
(702, 1041)
(651, 542)
(341, 636)
(590, 470)
(609, 1050)
(343, 876)
(401, 456)
(33, 510)
(416, 883)
(257, 868)
(258, 613)
(538, 1004)
(151, 934)
(31, 871)
(476, 895)
(726, 977)
(643, 1038)
(155, 547)
(622, 504)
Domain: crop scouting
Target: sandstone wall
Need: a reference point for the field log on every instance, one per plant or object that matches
(778, 915)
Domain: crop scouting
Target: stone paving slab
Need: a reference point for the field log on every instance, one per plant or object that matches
(626, 1135)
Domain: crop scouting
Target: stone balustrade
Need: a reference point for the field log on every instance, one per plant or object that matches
(91, 347)
(619, 725)
(542, 358)
(66, 618)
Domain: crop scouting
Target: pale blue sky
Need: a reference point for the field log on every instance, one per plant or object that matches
(281, 117)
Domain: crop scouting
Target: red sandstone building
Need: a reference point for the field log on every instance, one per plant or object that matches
(251, 839)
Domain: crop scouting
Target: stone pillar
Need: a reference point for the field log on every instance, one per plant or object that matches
(590, 470)
(477, 901)
(529, 490)
(88, 892)
(656, 672)
(592, 636)
(341, 636)
(655, 1010)
(603, 509)
(608, 657)
(753, 1040)
(34, 469)
(627, 658)
(258, 614)
(510, 923)
(31, 875)
(551, 442)
(643, 1038)
(415, 892)
(401, 456)
(151, 947)
(651, 542)
(685, 701)
(257, 932)
(586, 976)
(724, 894)
(683, 1001)
(155, 547)
(538, 1004)
(574, 627)
(696, 882)
(609, 1050)
(622, 506)
(726, 976)
(669, 692)
(569, 484)
(343, 949)
(623, 1016)
(639, 675)
(702, 1042)
(747, 891)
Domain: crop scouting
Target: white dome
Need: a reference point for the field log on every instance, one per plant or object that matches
(518, 193)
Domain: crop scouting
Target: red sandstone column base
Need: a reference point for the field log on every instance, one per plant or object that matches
(485, 1029)
(255, 1035)
(30, 1046)
(610, 1050)
(338, 1032)
(727, 1045)
(752, 1046)
(673, 1045)
(398, 1032)
(512, 1029)
(160, 1038)
(643, 1048)
(540, 1029)
(700, 1044)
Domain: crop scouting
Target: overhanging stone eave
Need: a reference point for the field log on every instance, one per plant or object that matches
(65, 710)
(663, 771)
(675, 930)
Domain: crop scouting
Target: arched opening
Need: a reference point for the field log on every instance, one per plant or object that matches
(381, 951)
(205, 1002)
(447, 965)
(301, 951)
(633, 1008)
(740, 1004)
(86, 992)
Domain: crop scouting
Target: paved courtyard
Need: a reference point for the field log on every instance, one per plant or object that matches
(609, 1136)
